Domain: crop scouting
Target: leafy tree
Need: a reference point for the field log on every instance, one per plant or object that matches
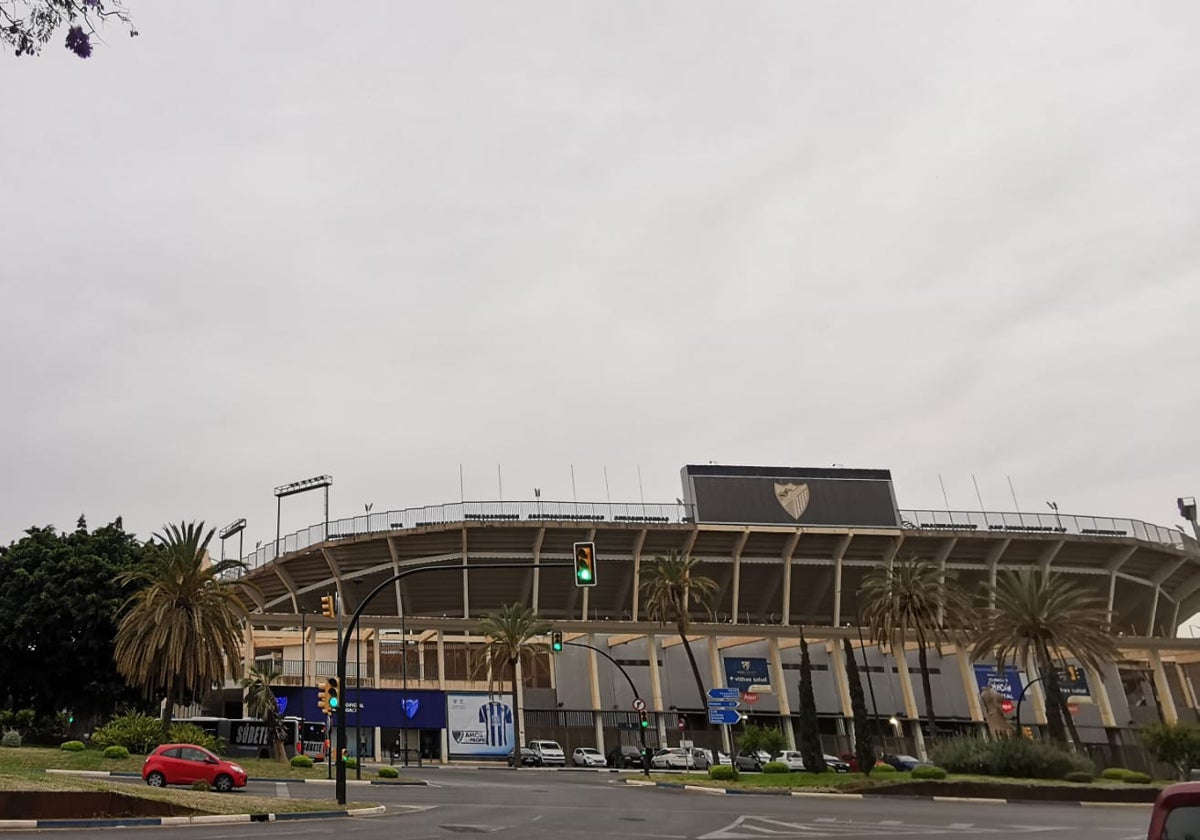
(262, 704)
(509, 639)
(1038, 612)
(1176, 744)
(670, 586)
(810, 731)
(181, 631)
(59, 600)
(864, 748)
(909, 598)
(766, 739)
(27, 25)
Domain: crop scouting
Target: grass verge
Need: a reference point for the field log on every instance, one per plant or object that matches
(857, 782)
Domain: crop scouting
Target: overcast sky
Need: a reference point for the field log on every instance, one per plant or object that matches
(385, 239)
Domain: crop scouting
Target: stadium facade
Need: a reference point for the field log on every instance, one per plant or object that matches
(788, 549)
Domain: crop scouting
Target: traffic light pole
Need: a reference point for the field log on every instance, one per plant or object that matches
(632, 687)
(344, 643)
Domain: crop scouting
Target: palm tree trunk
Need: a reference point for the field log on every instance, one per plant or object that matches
(923, 661)
(516, 717)
(1054, 709)
(687, 646)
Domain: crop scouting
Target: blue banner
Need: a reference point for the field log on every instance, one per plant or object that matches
(1073, 682)
(743, 673)
(1006, 683)
(392, 707)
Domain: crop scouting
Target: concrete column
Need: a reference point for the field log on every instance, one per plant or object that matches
(520, 706)
(779, 684)
(970, 686)
(787, 577)
(718, 679)
(837, 659)
(1035, 694)
(1100, 695)
(637, 575)
(1112, 593)
(1162, 684)
(656, 698)
(441, 661)
(594, 683)
(310, 653)
(1153, 612)
(1189, 699)
(910, 699)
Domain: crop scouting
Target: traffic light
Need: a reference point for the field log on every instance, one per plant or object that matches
(327, 697)
(585, 564)
(644, 719)
(328, 606)
(556, 643)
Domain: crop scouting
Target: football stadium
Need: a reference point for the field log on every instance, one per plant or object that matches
(787, 549)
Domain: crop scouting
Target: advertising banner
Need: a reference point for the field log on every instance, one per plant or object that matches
(741, 673)
(393, 707)
(480, 724)
(791, 496)
(1073, 682)
(1006, 683)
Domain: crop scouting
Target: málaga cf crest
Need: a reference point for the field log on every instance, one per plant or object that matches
(793, 498)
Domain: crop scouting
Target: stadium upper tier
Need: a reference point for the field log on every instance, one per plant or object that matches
(768, 574)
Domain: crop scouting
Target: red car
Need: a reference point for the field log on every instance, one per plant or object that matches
(1176, 813)
(183, 764)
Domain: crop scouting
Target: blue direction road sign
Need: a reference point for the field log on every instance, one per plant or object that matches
(723, 716)
(722, 704)
(733, 693)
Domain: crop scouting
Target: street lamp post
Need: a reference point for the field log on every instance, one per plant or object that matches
(237, 526)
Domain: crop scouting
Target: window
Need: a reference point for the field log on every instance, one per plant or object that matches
(193, 754)
(1182, 824)
(174, 752)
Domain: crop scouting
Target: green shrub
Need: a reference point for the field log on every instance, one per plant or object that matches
(134, 731)
(301, 761)
(1015, 757)
(928, 771)
(189, 733)
(1115, 774)
(722, 773)
(1080, 776)
(775, 767)
(1133, 777)
(883, 767)
(386, 772)
(72, 746)
(350, 761)
(201, 784)
(1177, 744)
(116, 751)
(11, 738)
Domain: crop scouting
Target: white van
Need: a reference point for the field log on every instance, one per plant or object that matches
(548, 753)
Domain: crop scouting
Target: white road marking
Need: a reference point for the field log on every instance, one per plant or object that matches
(281, 791)
(749, 827)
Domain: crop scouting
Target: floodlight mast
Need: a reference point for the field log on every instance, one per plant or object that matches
(325, 481)
(234, 527)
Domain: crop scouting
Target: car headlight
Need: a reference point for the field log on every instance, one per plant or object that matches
(237, 768)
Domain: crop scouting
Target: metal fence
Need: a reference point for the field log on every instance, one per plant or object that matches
(661, 514)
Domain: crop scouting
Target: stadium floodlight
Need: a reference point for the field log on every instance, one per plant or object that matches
(234, 527)
(306, 484)
(320, 481)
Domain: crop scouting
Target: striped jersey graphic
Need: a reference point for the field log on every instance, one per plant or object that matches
(496, 716)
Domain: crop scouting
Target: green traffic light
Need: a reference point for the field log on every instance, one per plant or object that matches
(584, 574)
(333, 702)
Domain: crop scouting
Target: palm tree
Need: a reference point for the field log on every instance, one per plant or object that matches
(909, 597)
(181, 631)
(1037, 613)
(509, 636)
(670, 585)
(262, 704)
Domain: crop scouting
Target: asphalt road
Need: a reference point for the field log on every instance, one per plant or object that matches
(547, 805)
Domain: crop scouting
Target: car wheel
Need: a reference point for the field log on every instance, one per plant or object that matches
(156, 779)
(223, 783)
(757, 767)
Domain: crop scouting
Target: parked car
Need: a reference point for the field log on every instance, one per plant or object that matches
(716, 758)
(626, 756)
(678, 758)
(528, 758)
(901, 762)
(836, 764)
(851, 760)
(549, 753)
(588, 757)
(752, 762)
(185, 764)
(793, 759)
(1176, 814)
